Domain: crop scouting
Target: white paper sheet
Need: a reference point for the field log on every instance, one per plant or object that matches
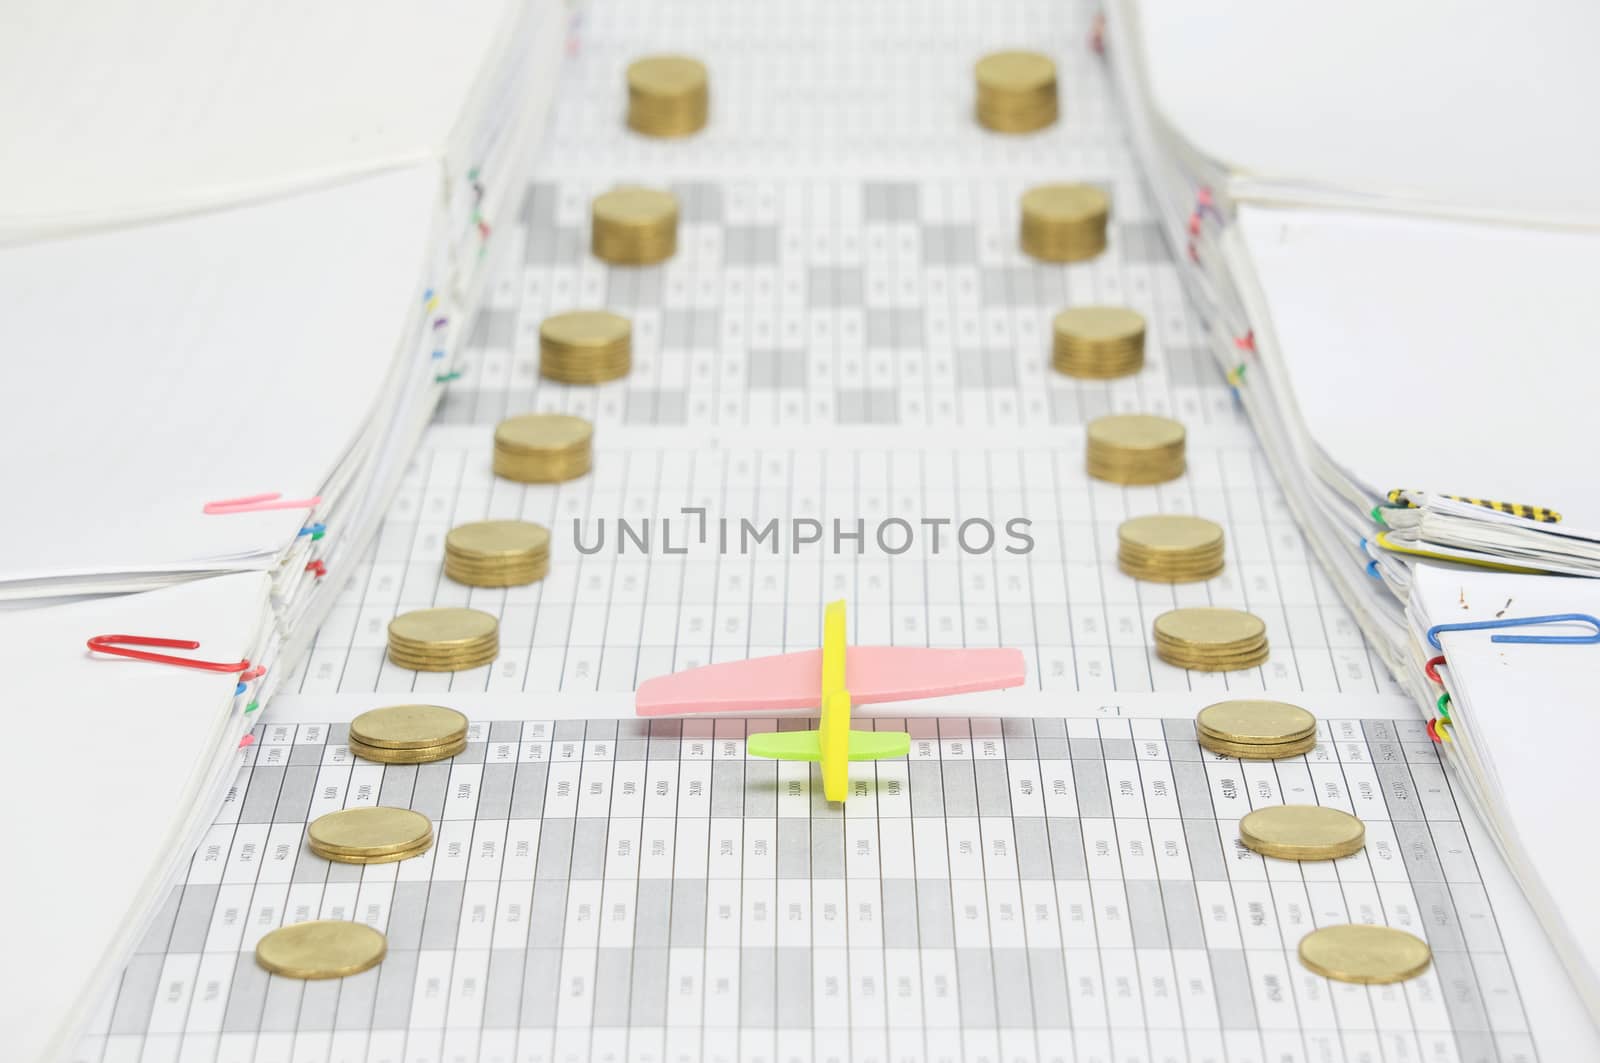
(141, 739)
(1463, 109)
(249, 349)
(295, 95)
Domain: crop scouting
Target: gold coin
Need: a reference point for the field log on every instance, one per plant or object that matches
(634, 226)
(1065, 222)
(386, 858)
(409, 727)
(425, 755)
(538, 433)
(668, 95)
(1135, 448)
(1302, 832)
(369, 831)
(1171, 548)
(497, 553)
(1210, 628)
(323, 948)
(1255, 721)
(1169, 533)
(543, 447)
(585, 347)
(1098, 342)
(1135, 433)
(1364, 955)
(441, 630)
(1271, 751)
(1016, 91)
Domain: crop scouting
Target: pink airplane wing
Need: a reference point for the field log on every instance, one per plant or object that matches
(794, 680)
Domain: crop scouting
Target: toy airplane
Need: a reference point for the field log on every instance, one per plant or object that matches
(831, 678)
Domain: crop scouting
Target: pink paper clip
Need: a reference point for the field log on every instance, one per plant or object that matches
(259, 503)
(1247, 342)
(247, 741)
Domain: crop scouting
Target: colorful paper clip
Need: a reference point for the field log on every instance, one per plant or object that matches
(1526, 621)
(258, 503)
(833, 678)
(116, 645)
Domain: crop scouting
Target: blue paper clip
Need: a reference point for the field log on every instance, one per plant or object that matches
(1525, 621)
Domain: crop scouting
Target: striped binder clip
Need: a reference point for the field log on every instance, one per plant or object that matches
(1403, 498)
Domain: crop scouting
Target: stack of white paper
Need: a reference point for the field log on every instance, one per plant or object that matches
(1396, 249)
(240, 274)
(1513, 709)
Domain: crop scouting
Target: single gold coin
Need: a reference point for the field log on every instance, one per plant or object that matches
(1016, 92)
(543, 448)
(633, 226)
(425, 755)
(373, 830)
(497, 553)
(1364, 955)
(409, 727)
(1098, 342)
(323, 948)
(1064, 222)
(585, 347)
(1302, 832)
(668, 95)
(1208, 627)
(1255, 721)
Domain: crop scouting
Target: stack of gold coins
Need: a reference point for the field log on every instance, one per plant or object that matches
(408, 734)
(668, 95)
(1064, 223)
(1170, 548)
(1211, 640)
(497, 553)
(585, 347)
(1135, 448)
(444, 640)
(1098, 342)
(1253, 729)
(1016, 92)
(634, 226)
(322, 948)
(1364, 955)
(1302, 832)
(370, 835)
(543, 448)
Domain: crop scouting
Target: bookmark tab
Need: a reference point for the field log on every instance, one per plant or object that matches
(258, 504)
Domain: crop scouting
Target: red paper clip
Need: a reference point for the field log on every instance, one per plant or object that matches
(258, 503)
(253, 674)
(1247, 342)
(117, 646)
(1433, 731)
(1431, 669)
(317, 568)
